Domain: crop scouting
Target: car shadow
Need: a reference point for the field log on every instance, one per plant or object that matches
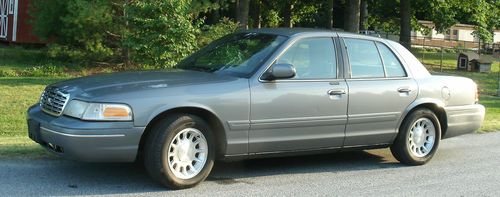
(76, 178)
(231, 172)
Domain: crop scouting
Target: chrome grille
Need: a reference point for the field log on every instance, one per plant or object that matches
(53, 101)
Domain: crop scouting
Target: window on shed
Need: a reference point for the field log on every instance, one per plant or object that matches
(364, 59)
(11, 6)
(393, 67)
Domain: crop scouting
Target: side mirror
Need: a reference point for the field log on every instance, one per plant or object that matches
(280, 71)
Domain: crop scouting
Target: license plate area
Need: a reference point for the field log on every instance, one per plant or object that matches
(34, 130)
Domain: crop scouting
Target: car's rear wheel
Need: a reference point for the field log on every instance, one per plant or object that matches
(418, 138)
(179, 152)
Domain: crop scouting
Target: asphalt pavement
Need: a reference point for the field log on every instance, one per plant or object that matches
(463, 166)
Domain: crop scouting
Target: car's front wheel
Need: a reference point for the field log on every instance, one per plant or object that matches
(179, 152)
(418, 138)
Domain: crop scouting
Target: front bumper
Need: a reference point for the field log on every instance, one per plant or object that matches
(463, 119)
(84, 140)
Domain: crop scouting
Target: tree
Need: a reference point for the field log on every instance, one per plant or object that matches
(80, 30)
(242, 14)
(351, 23)
(405, 22)
(161, 32)
(256, 13)
(363, 16)
(329, 14)
(288, 13)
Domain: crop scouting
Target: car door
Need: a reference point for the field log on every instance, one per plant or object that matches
(379, 92)
(308, 111)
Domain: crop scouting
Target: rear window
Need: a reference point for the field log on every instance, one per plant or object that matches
(393, 67)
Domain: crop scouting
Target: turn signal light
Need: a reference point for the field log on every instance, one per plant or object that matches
(115, 112)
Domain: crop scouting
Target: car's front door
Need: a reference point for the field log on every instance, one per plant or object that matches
(379, 91)
(303, 113)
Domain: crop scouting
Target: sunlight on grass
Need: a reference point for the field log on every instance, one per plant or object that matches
(492, 118)
(16, 95)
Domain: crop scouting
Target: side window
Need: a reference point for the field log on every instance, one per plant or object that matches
(393, 67)
(364, 59)
(313, 58)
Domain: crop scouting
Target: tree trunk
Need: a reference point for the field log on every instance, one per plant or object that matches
(242, 13)
(287, 15)
(125, 53)
(351, 23)
(338, 13)
(256, 18)
(329, 14)
(363, 16)
(405, 22)
(214, 15)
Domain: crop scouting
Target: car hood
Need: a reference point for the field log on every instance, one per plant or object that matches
(100, 84)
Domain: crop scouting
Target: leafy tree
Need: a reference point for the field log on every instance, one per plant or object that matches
(483, 14)
(242, 13)
(161, 32)
(405, 22)
(80, 29)
(352, 12)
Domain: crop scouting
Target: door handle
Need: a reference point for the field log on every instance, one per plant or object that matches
(336, 92)
(404, 90)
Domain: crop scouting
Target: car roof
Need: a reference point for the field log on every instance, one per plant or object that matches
(289, 32)
(286, 31)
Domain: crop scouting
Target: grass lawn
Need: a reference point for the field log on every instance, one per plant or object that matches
(18, 93)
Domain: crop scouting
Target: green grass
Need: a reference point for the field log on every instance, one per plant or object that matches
(488, 82)
(492, 118)
(15, 58)
(16, 95)
(432, 58)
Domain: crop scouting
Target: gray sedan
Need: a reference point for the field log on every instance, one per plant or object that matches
(258, 93)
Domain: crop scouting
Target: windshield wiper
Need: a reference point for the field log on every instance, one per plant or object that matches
(198, 68)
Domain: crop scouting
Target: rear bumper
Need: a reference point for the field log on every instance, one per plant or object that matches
(463, 119)
(84, 141)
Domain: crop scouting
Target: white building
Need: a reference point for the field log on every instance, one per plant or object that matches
(458, 32)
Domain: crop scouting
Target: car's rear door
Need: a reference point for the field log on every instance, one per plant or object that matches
(380, 90)
(306, 112)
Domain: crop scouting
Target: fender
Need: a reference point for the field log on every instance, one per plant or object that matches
(419, 101)
(178, 106)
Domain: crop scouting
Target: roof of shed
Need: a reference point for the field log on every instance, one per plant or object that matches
(485, 60)
(471, 55)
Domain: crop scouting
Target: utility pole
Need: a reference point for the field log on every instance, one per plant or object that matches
(498, 90)
(441, 60)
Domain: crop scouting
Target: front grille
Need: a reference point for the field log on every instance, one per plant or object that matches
(53, 101)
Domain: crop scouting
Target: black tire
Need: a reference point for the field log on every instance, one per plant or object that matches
(155, 153)
(401, 149)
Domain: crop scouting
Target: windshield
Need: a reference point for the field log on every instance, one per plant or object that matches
(239, 54)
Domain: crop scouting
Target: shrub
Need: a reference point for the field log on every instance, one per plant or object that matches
(80, 29)
(44, 71)
(161, 33)
(210, 33)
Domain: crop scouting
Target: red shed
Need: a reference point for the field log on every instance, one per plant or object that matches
(14, 22)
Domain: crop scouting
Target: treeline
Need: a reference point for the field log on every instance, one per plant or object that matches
(161, 32)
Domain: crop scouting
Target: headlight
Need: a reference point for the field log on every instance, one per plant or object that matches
(98, 111)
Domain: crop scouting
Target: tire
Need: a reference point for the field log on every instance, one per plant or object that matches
(418, 138)
(171, 147)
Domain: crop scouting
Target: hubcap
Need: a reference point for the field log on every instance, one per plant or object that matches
(187, 153)
(421, 137)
